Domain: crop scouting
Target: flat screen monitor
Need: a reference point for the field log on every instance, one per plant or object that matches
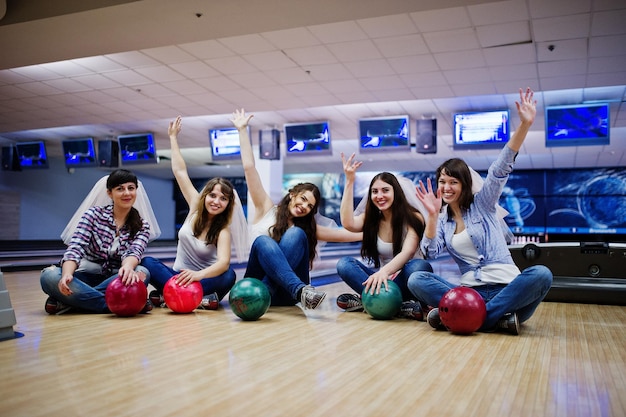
(481, 130)
(225, 143)
(79, 153)
(32, 155)
(578, 125)
(308, 139)
(137, 148)
(384, 134)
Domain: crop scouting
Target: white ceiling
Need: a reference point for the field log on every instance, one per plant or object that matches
(134, 66)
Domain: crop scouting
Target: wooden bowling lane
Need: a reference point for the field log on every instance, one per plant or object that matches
(568, 361)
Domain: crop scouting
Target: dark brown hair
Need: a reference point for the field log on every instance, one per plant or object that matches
(306, 223)
(122, 176)
(220, 221)
(457, 168)
(402, 213)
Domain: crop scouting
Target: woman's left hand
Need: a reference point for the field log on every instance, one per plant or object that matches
(186, 277)
(130, 276)
(527, 106)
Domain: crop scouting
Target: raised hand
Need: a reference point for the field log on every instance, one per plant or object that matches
(240, 120)
(431, 199)
(175, 126)
(350, 165)
(527, 106)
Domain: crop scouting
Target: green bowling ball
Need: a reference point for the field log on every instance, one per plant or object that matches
(249, 299)
(386, 304)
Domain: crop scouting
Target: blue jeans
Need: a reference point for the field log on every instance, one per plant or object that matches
(522, 295)
(161, 273)
(87, 289)
(354, 273)
(283, 267)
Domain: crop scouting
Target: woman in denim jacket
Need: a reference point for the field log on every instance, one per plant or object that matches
(470, 228)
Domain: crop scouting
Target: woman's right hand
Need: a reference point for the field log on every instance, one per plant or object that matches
(174, 127)
(64, 284)
(431, 199)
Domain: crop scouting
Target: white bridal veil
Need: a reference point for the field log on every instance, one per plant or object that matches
(98, 197)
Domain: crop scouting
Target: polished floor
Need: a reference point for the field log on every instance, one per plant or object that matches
(569, 360)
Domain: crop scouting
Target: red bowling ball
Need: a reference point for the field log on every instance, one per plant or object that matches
(126, 300)
(462, 310)
(181, 299)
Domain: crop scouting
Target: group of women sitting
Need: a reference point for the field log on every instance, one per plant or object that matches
(401, 227)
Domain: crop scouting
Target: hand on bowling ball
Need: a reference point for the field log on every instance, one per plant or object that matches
(375, 281)
(129, 276)
(185, 277)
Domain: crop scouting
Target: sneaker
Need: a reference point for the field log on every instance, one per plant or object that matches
(411, 310)
(350, 302)
(509, 324)
(148, 307)
(209, 302)
(157, 299)
(56, 307)
(311, 298)
(434, 320)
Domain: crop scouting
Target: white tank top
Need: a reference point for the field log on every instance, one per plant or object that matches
(192, 253)
(262, 227)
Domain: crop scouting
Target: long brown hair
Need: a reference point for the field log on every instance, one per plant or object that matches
(220, 221)
(457, 168)
(306, 223)
(402, 213)
(122, 176)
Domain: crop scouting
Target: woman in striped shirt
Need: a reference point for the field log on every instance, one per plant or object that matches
(108, 241)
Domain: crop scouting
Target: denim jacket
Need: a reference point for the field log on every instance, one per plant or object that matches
(481, 222)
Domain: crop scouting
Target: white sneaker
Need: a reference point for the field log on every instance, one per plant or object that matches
(311, 298)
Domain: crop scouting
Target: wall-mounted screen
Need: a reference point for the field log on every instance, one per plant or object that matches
(384, 134)
(481, 130)
(224, 144)
(308, 139)
(578, 125)
(32, 155)
(79, 153)
(587, 201)
(137, 148)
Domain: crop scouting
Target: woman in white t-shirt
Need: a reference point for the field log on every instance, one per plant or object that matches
(392, 229)
(468, 224)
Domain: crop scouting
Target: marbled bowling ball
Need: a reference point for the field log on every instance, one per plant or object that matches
(126, 300)
(249, 299)
(384, 305)
(462, 310)
(181, 299)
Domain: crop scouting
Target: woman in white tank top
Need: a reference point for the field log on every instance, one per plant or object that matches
(286, 233)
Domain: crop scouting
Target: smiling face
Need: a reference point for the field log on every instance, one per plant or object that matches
(216, 201)
(451, 189)
(301, 204)
(123, 195)
(382, 195)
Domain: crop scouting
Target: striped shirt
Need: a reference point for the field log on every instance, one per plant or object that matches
(95, 240)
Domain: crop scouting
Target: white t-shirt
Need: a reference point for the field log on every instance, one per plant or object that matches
(490, 274)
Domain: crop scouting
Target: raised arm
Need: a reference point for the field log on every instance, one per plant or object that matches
(179, 167)
(260, 198)
(527, 110)
(348, 219)
(337, 234)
